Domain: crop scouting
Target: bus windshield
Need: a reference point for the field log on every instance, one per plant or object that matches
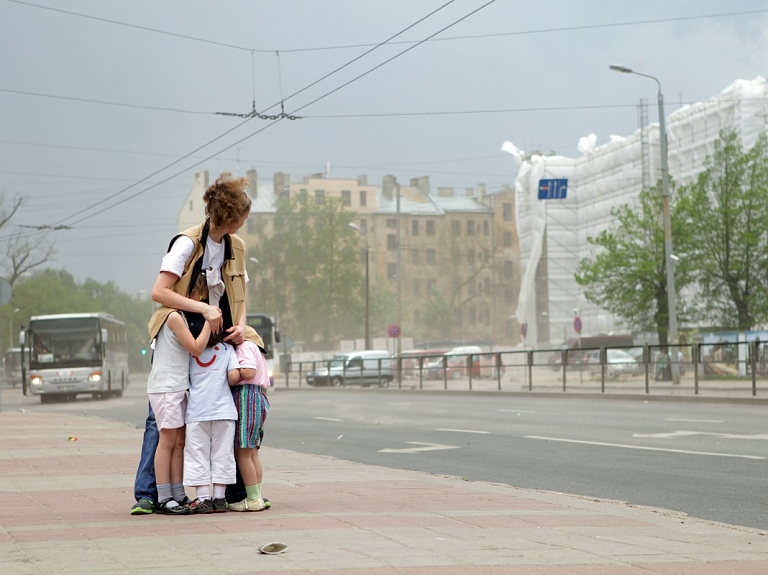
(266, 326)
(66, 342)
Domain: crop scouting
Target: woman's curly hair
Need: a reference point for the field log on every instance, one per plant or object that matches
(226, 200)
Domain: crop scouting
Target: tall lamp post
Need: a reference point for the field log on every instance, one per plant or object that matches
(367, 287)
(671, 294)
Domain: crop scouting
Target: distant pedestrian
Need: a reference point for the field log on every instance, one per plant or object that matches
(252, 408)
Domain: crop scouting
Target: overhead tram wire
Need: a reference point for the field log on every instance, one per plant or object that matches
(242, 123)
(349, 46)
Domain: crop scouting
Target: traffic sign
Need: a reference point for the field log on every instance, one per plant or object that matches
(394, 330)
(550, 189)
(524, 329)
(577, 324)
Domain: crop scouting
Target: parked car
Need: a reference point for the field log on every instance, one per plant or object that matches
(461, 361)
(411, 359)
(617, 362)
(579, 348)
(357, 367)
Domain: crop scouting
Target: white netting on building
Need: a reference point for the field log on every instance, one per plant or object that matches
(553, 233)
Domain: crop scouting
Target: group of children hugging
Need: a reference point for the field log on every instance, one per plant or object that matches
(209, 401)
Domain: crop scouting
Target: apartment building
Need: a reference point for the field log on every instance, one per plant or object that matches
(459, 252)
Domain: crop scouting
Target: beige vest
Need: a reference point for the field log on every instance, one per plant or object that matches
(232, 272)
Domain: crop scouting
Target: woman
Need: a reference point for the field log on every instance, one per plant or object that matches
(211, 246)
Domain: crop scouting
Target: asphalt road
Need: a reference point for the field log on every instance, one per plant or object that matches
(705, 459)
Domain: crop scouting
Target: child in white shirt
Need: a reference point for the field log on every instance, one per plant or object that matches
(211, 415)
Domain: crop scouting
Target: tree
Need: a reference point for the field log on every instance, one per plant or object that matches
(626, 272)
(24, 250)
(726, 230)
(313, 271)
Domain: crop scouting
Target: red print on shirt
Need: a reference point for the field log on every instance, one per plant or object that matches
(209, 363)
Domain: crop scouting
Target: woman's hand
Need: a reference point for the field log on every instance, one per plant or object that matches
(235, 335)
(213, 316)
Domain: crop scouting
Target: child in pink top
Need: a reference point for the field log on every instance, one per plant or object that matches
(252, 408)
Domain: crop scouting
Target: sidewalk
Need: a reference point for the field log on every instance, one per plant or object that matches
(64, 509)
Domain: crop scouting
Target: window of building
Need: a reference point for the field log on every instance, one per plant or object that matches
(508, 269)
(472, 316)
(430, 227)
(486, 228)
(346, 198)
(415, 227)
(391, 271)
(509, 296)
(472, 286)
(507, 212)
(486, 256)
(415, 257)
(432, 286)
(470, 227)
(364, 226)
(507, 239)
(319, 196)
(391, 242)
(456, 227)
(363, 198)
(470, 256)
(456, 257)
(487, 285)
(416, 287)
(431, 256)
(392, 224)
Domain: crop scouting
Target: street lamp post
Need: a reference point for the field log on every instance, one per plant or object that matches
(367, 287)
(671, 294)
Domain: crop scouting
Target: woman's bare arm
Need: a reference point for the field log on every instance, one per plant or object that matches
(162, 293)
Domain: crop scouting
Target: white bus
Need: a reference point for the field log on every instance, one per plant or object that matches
(76, 353)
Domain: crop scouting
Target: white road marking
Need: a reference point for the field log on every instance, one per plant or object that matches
(643, 447)
(515, 411)
(687, 433)
(462, 431)
(328, 419)
(696, 420)
(427, 447)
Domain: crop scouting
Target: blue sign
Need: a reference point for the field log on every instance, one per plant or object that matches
(553, 189)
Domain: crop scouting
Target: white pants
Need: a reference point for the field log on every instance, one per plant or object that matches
(209, 453)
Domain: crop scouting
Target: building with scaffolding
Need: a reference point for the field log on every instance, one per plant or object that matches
(553, 233)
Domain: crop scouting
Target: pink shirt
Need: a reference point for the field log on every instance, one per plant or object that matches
(249, 356)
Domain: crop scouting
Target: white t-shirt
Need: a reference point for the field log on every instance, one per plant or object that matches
(213, 258)
(210, 398)
(170, 364)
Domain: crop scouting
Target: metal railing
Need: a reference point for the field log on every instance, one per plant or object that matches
(735, 369)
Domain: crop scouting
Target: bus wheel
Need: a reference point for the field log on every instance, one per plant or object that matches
(44, 398)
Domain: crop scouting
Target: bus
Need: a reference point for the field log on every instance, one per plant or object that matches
(74, 353)
(266, 326)
(12, 366)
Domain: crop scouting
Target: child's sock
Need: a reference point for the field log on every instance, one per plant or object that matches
(203, 491)
(219, 491)
(164, 495)
(253, 492)
(177, 491)
(164, 492)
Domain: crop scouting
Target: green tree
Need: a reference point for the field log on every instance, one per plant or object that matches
(626, 274)
(313, 271)
(726, 230)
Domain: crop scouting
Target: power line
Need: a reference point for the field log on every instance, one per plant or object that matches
(241, 140)
(348, 46)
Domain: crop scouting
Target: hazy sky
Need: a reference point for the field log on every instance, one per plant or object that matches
(534, 72)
